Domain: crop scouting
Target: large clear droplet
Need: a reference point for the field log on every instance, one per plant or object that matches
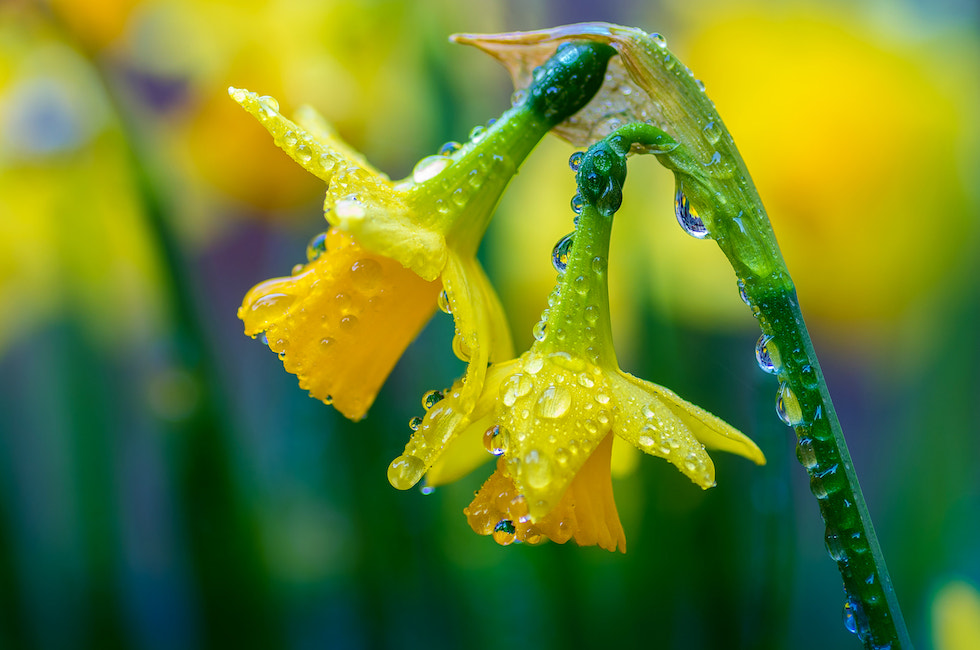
(554, 402)
(443, 302)
(767, 354)
(575, 160)
(450, 148)
(687, 216)
(561, 251)
(504, 532)
(493, 440)
(432, 398)
(577, 203)
(430, 167)
(788, 406)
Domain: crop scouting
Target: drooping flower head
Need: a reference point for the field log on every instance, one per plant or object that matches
(371, 282)
(551, 414)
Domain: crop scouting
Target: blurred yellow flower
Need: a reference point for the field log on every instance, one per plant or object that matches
(956, 617)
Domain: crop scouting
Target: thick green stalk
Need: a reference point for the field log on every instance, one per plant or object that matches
(803, 401)
(871, 608)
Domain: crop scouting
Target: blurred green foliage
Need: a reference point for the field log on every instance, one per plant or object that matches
(164, 484)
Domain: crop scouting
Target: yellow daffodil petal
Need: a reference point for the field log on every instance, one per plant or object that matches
(467, 452)
(441, 425)
(323, 132)
(586, 511)
(652, 426)
(320, 158)
(554, 410)
(342, 322)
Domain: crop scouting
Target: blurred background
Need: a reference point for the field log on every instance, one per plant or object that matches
(165, 484)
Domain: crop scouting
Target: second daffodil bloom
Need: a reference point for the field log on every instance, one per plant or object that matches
(341, 322)
(551, 414)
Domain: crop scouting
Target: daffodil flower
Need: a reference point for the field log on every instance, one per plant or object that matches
(551, 414)
(342, 321)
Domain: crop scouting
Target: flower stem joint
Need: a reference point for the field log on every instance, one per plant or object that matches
(568, 80)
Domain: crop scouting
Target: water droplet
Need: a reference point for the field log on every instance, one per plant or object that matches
(585, 381)
(349, 208)
(504, 532)
(405, 471)
(560, 253)
(430, 167)
(426, 489)
(316, 247)
(687, 216)
(767, 354)
(268, 101)
(577, 203)
(712, 132)
(493, 440)
(575, 160)
(443, 302)
(850, 616)
(537, 469)
(700, 84)
(743, 294)
(788, 406)
(518, 385)
(348, 323)
(432, 398)
(534, 365)
(659, 39)
(835, 545)
(554, 402)
(366, 273)
(602, 398)
(415, 423)
(669, 62)
(297, 269)
(518, 98)
(806, 454)
(540, 330)
(478, 133)
(460, 349)
(450, 148)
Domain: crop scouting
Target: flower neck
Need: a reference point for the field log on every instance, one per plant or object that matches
(578, 322)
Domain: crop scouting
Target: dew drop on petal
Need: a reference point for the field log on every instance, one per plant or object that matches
(577, 203)
(415, 423)
(504, 532)
(537, 469)
(443, 302)
(554, 402)
(687, 216)
(561, 251)
(540, 330)
(316, 247)
(493, 440)
(478, 133)
(432, 398)
(575, 160)
(430, 167)
(405, 471)
(268, 101)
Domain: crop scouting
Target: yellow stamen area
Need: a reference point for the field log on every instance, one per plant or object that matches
(341, 323)
(586, 512)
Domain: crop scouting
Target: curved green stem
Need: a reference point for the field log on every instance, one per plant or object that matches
(871, 608)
